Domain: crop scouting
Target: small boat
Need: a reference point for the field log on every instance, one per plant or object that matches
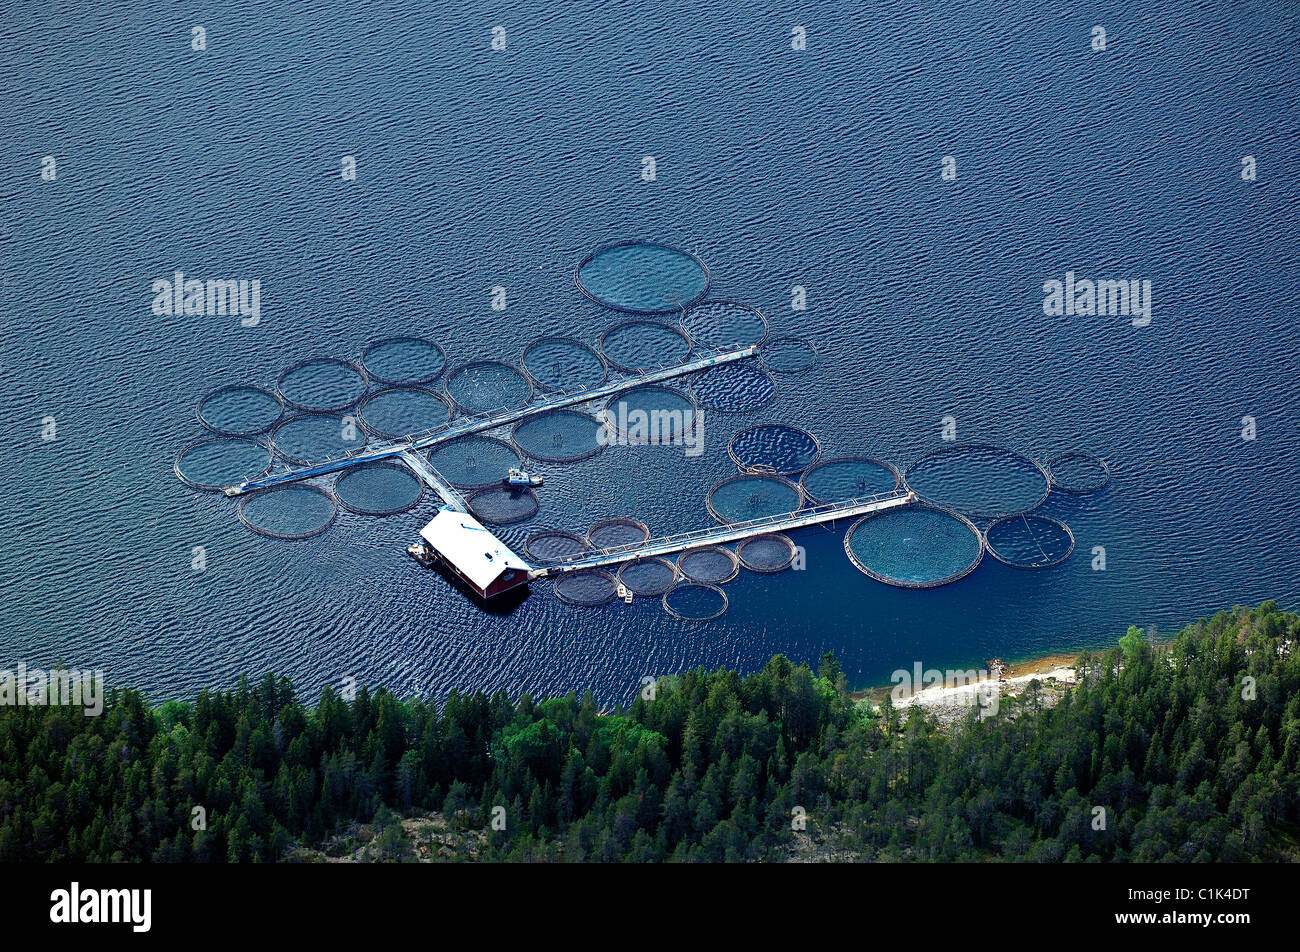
(624, 594)
(517, 477)
(421, 552)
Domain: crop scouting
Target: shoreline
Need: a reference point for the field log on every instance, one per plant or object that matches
(1058, 664)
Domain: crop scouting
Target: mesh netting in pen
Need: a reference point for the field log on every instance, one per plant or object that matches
(788, 355)
(774, 448)
(221, 461)
(708, 563)
(979, 479)
(695, 601)
(297, 511)
(641, 277)
(481, 387)
(378, 489)
(724, 325)
(549, 546)
(404, 360)
(653, 415)
(849, 477)
(586, 587)
(742, 498)
(915, 546)
(240, 410)
(558, 436)
(1028, 541)
(316, 437)
(733, 388)
(563, 365)
(472, 462)
(651, 576)
(769, 552)
(503, 505)
(322, 384)
(620, 530)
(1078, 472)
(642, 345)
(404, 411)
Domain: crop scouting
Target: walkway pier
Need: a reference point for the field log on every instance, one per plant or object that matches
(479, 424)
(718, 535)
(420, 466)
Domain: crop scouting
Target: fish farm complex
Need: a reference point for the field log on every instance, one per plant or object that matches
(630, 433)
(373, 435)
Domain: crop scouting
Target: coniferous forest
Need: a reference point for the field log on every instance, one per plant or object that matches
(1189, 748)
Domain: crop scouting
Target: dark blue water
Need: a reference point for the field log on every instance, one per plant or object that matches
(476, 169)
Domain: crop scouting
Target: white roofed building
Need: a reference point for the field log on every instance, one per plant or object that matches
(473, 554)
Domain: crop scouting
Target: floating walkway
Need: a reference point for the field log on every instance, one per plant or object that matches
(420, 466)
(478, 425)
(718, 535)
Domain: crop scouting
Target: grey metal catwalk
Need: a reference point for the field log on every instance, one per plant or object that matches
(718, 535)
(420, 466)
(478, 425)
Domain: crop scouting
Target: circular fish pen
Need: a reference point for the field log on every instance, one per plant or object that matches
(586, 588)
(744, 498)
(558, 436)
(641, 277)
(724, 325)
(322, 384)
(563, 365)
(788, 355)
(849, 477)
(915, 546)
(695, 601)
(316, 437)
(739, 387)
(221, 461)
(298, 511)
(651, 415)
(473, 462)
(240, 410)
(400, 412)
(481, 387)
(618, 531)
(711, 564)
(550, 546)
(774, 448)
(503, 505)
(1028, 541)
(1078, 473)
(980, 480)
(640, 346)
(381, 488)
(648, 577)
(403, 361)
(768, 553)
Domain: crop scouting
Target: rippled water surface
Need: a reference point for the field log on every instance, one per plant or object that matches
(777, 168)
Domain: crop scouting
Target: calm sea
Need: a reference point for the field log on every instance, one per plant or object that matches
(777, 167)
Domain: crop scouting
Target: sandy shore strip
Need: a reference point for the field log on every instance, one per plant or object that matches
(964, 695)
(1014, 680)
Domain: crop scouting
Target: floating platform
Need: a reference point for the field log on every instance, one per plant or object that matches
(481, 424)
(420, 466)
(719, 535)
(469, 551)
